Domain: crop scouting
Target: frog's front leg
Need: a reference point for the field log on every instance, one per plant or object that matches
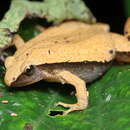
(17, 41)
(81, 92)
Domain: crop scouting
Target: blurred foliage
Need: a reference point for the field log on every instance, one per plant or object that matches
(127, 7)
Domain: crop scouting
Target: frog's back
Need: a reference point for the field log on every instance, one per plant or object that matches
(97, 48)
(79, 44)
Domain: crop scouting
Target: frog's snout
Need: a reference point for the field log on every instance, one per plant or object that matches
(9, 77)
(8, 82)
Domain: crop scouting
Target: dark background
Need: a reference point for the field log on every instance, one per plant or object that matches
(108, 11)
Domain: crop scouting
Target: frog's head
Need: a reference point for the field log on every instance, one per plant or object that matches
(19, 74)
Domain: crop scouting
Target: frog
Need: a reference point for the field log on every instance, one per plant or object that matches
(73, 52)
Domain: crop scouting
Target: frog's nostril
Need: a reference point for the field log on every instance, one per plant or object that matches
(14, 79)
(111, 51)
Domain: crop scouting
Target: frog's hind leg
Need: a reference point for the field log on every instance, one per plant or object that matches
(123, 44)
(127, 29)
(122, 47)
(17, 41)
(81, 92)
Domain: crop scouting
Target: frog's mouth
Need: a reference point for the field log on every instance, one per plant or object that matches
(28, 78)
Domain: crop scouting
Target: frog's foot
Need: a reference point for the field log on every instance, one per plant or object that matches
(81, 92)
(72, 107)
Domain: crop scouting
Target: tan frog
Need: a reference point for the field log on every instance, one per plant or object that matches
(73, 52)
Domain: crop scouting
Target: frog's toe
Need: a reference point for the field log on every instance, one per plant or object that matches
(72, 107)
(64, 104)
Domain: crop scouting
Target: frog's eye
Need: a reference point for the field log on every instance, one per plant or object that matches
(29, 70)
